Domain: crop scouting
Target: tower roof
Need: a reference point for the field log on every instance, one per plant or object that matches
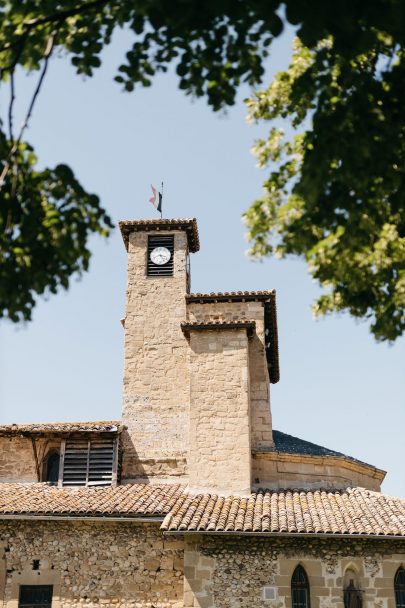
(189, 225)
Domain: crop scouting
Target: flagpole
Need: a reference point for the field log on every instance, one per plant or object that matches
(161, 212)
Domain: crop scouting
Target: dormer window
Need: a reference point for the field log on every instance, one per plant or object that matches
(89, 462)
(82, 460)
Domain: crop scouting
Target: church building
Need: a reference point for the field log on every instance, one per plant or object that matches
(192, 499)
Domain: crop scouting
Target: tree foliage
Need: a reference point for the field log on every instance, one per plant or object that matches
(46, 219)
(334, 191)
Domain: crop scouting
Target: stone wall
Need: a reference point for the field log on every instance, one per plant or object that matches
(91, 564)
(276, 471)
(156, 379)
(220, 450)
(261, 427)
(17, 461)
(233, 573)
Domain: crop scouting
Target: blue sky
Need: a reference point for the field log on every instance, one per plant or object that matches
(338, 387)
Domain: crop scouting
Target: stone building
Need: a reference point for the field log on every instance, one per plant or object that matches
(192, 499)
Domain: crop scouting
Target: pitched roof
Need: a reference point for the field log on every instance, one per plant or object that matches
(129, 500)
(100, 426)
(353, 511)
(288, 444)
(187, 224)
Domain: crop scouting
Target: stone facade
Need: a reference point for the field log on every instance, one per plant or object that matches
(156, 376)
(219, 411)
(196, 410)
(275, 470)
(17, 461)
(224, 572)
(91, 564)
(260, 414)
(21, 458)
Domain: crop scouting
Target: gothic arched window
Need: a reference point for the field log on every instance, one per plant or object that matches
(399, 586)
(300, 588)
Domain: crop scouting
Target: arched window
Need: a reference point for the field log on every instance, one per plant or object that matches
(352, 597)
(399, 586)
(51, 468)
(300, 588)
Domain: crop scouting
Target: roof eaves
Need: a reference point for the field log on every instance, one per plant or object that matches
(61, 428)
(335, 535)
(372, 471)
(189, 225)
(229, 296)
(249, 326)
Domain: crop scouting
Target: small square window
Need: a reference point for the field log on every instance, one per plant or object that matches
(35, 596)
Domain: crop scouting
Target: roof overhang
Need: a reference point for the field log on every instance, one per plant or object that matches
(248, 326)
(187, 225)
(61, 428)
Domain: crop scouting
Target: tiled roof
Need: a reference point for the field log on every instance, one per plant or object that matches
(189, 225)
(230, 296)
(353, 511)
(129, 500)
(250, 326)
(270, 319)
(287, 444)
(101, 426)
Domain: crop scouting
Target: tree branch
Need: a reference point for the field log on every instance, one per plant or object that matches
(10, 107)
(47, 54)
(62, 15)
(55, 18)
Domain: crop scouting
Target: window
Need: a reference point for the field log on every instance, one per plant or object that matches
(160, 268)
(35, 596)
(89, 462)
(352, 597)
(51, 467)
(300, 588)
(399, 586)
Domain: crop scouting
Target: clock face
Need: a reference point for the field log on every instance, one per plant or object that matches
(160, 255)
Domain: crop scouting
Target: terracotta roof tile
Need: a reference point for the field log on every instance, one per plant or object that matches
(129, 500)
(226, 296)
(187, 224)
(352, 511)
(102, 426)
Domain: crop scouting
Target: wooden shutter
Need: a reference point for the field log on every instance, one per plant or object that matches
(89, 462)
(101, 462)
(76, 463)
(166, 270)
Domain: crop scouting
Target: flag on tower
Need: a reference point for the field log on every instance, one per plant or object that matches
(153, 198)
(156, 194)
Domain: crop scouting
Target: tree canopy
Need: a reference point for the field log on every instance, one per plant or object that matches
(335, 189)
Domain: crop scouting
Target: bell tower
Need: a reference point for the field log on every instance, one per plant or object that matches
(156, 372)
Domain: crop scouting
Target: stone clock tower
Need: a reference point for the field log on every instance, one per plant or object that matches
(156, 371)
